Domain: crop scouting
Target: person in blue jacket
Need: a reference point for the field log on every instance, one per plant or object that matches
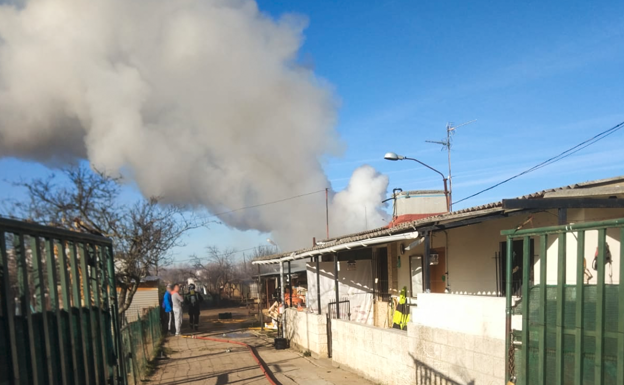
(168, 306)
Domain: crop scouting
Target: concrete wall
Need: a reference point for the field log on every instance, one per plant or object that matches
(452, 339)
(307, 332)
(380, 355)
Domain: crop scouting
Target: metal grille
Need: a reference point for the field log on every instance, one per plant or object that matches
(58, 313)
(572, 331)
(341, 311)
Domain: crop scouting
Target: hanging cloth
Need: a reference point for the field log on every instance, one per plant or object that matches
(401, 313)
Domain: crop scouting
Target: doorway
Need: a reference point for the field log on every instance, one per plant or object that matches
(516, 268)
(438, 271)
(416, 274)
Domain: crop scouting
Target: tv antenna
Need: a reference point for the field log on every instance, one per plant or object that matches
(446, 144)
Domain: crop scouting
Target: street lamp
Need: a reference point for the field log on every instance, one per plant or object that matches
(274, 243)
(394, 157)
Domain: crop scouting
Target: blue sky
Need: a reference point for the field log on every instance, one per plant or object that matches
(540, 77)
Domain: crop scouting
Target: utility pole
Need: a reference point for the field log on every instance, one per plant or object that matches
(446, 143)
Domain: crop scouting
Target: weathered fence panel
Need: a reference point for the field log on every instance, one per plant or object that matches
(58, 307)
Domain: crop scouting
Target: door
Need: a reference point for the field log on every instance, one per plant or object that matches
(416, 275)
(438, 272)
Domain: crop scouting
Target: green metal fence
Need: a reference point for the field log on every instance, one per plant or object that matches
(58, 307)
(572, 332)
(140, 342)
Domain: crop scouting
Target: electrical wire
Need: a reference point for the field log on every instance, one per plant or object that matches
(265, 204)
(554, 159)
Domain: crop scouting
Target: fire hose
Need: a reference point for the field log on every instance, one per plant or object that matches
(254, 354)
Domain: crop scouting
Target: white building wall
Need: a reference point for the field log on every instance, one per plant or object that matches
(470, 255)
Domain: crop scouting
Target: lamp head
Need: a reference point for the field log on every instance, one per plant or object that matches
(271, 242)
(393, 156)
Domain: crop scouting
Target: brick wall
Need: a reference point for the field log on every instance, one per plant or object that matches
(307, 332)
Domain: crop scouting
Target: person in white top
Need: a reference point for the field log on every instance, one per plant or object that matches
(177, 301)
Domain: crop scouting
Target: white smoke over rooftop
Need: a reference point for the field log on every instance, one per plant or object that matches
(201, 102)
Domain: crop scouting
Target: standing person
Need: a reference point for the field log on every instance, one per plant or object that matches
(193, 299)
(168, 306)
(177, 302)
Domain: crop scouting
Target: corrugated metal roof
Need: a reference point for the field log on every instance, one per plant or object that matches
(470, 212)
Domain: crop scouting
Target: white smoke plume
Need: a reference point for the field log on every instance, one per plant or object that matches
(201, 102)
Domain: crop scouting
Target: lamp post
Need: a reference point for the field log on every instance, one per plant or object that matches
(281, 284)
(394, 157)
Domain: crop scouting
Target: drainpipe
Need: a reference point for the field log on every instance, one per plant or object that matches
(282, 297)
(318, 283)
(426, 267)
(289, 285)
(336, 285)
(446, 252)
(260, 315)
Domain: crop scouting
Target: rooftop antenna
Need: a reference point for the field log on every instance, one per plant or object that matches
(446, 144)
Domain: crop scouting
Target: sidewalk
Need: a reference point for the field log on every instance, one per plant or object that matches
(195, 361)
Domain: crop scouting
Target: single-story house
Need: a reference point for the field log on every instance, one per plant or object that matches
(464, 273)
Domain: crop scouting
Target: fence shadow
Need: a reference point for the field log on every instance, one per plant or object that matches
(426, 375)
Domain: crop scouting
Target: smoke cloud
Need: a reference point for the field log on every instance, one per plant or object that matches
(200, 102)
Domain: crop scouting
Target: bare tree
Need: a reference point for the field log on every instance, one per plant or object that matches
(178, 273)
(143, 233)
(218, 269)
(246, 269)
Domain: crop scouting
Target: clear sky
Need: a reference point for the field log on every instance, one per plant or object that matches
(539, 77)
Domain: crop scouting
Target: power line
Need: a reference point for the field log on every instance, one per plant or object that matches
(554, 159)
(265, 204)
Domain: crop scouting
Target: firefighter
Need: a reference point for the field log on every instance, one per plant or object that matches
(193, 299)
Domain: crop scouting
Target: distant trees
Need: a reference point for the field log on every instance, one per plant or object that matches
(218, 270)
(143, 232)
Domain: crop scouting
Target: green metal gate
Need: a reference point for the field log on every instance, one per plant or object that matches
(58, 313)
(572, 331)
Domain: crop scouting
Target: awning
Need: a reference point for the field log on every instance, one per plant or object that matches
(343, 246)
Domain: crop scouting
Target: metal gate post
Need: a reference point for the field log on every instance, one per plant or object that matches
(600, 308)
(122, 377)
(526, 269)
(542, 304)
(580, 299)
(620, 351)
(336, 285)
(561, 280)
(9, 310)
(329, 332)
(40, 305)
(508, 343)
(318, 283)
